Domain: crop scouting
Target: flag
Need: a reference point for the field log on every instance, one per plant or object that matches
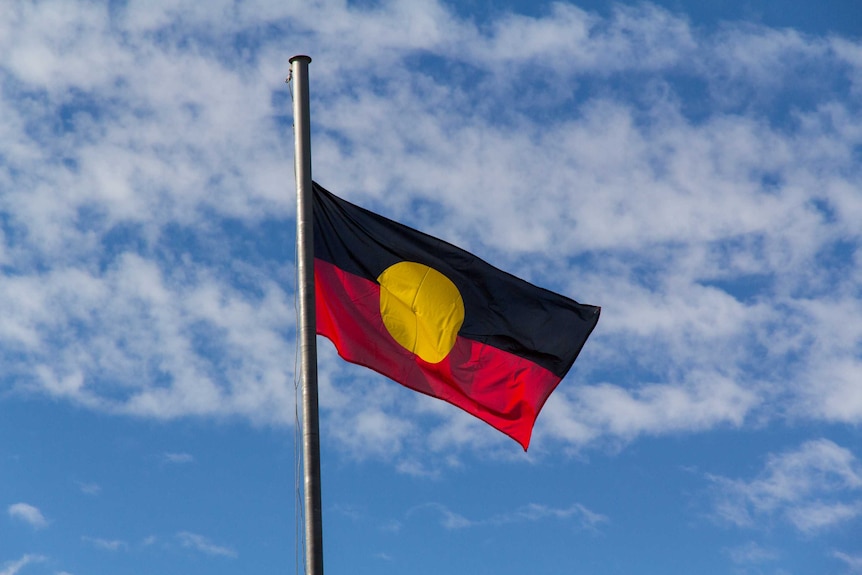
(438, 319)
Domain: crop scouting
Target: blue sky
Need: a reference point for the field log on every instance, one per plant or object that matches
(692, 167)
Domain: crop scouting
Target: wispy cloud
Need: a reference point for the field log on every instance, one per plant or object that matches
(578, 514)
(106, 544)
(13, 567)
(178, 458)
(853, 562)
(203, 545)
(89, 488)
(752, 554)
(813, 488)
(28, 514)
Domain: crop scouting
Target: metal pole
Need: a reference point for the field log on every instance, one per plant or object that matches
(306, 319)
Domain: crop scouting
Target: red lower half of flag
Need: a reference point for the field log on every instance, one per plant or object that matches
(503, 389)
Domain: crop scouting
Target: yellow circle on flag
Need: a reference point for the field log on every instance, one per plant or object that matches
(421, 308)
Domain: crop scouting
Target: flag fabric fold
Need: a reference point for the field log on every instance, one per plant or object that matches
(438, 319)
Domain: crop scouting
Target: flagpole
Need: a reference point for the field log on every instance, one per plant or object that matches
(306, 318)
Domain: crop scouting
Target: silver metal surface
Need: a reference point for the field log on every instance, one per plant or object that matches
(306, 327)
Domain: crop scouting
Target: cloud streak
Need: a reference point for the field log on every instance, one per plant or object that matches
(113, 545)
(203, 545)
(13, 567)
(576, 513)
(28, 514)
(178, 458)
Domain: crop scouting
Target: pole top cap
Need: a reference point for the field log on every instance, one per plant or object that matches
(301, 57)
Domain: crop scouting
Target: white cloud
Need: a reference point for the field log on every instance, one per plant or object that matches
(106, 544)
(537, 512)
(815, 516)
(576, 513)
(203, 545)
(360, 409)
(180, 458)
(835, 365)
(570, 40)
(853, 562)
(815, 487)
(752, 554)
(13, 567)
(590, 412)
(28, 514)
(135, 319)
(717, 232)
(89, 488)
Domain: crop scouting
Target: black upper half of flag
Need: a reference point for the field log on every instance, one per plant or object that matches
(501, 310)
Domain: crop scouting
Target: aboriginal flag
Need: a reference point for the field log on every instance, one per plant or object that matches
(439, 320)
